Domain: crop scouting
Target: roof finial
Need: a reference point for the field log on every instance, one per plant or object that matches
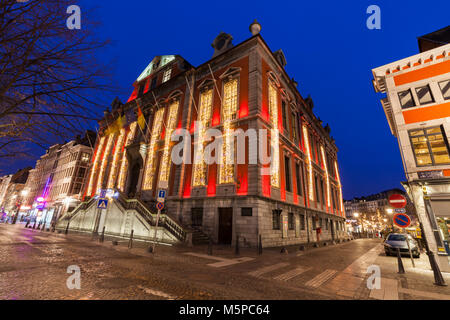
(255, 28)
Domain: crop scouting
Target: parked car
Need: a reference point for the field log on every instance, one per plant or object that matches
(396, 241)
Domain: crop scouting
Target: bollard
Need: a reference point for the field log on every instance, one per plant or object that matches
(260, 248)
(236, 250)
(67, 228)
(210, 247)
(401, 270)
(438, 279)
(130, 242)
(102, 237)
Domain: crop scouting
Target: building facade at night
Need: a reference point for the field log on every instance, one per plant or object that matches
(56, 184)
(375, 209)
(417, 108)
(4, 183)
(242, 87)
(14, 192)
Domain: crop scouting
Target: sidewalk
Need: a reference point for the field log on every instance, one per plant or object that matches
(415, 284)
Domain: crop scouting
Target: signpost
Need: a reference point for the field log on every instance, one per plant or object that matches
(160, 205)
(402, 220)
(102, 203)
(397, 201)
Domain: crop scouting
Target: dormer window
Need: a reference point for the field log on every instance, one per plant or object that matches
(166, 75)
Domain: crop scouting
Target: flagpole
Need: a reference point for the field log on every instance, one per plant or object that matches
(215, 84)
(158, 107)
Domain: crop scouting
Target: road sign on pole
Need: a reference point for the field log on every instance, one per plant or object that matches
(402, 210)
(102, 203)
(402, 220)
(161, 195)
(160, 205)
(397, 201)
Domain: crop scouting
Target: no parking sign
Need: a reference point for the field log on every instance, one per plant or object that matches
(402, 220)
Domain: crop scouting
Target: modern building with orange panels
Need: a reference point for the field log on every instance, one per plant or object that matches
(417, 107)
(242, 87)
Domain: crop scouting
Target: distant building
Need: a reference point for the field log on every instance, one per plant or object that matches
(241, 87)
(4, 183)
(55, 185)
(13, 198)
(417, 107)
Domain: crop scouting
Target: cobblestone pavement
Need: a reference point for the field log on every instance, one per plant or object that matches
(33, 265)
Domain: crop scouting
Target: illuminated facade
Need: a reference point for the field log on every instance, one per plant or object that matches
(243, 87)
(417, 107)
(59, 177)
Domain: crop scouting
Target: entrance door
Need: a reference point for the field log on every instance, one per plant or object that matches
(134, 177)
(225, 225)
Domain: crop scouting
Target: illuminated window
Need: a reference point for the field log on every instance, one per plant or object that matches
(228, 113)
(85, 157)
(203, 119)
(274, 135)
(166, 75)
(124, 163)
(102, 172)
(94, 171)
(171, 125)
(150, 166)
(429, 147)
(114, 171)
(445, 88)
(406, 99)
(424, 95)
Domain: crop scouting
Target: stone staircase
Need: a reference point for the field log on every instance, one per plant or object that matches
(198, 236)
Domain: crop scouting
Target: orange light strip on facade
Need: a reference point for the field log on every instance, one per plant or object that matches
(171, 125)
(205, 118)
(116, 158)
(150, 166)
(308, 163)
(274, 136)
(229, 112)
(95, 166)
(427, 113)
(124, 163)
(423, 73)
(104, 164)
(340, 187)
(327, 180)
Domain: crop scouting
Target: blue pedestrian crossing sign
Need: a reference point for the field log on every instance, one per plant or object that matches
(102, 203)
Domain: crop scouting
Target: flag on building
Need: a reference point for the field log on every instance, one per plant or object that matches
(140, 118)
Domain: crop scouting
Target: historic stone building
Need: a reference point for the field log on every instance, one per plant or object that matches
(241, 87)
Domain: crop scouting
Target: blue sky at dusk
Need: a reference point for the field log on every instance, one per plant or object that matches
(329, 52)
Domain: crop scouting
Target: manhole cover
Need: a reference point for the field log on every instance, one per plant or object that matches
(115, 283)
